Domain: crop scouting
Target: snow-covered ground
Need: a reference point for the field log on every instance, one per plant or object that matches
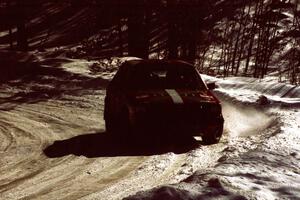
(53, 143)
(261, 159)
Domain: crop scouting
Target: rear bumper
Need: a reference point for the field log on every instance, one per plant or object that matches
(197, 126)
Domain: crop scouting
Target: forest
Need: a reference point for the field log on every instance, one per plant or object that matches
(253, 38)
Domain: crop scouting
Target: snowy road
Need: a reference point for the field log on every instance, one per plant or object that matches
(53, 144)
(100, 164)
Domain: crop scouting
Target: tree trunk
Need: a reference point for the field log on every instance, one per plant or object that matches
(11, 41)
(172, 41)
(252, 36)
(21, 9)
(120, 37)
(235, 49)
(22, 42)
(138, 41)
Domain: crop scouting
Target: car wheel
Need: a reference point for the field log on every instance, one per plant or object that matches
(213, 135)
(110, 125)
(124, 123)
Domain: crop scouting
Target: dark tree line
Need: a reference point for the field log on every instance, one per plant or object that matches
(14, 14)
(232, 37)
(260, 37)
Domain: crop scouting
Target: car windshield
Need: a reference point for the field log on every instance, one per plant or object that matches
(165, 77)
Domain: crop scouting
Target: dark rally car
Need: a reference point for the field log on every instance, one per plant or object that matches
(162, 98)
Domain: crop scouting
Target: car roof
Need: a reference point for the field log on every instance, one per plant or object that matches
(152, 62)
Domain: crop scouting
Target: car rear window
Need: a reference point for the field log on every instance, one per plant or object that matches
(165, 77)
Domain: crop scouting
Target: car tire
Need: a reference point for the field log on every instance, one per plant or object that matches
(213, 136)
(110, 125)
(124, 125)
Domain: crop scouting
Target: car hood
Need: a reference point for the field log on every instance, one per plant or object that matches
(173, 96)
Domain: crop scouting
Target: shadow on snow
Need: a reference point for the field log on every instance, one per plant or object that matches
(34, 82)
(103, 144)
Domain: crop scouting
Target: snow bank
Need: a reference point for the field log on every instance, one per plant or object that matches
(249, 90)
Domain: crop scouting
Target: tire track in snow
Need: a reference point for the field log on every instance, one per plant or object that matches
(35, 126)
(6, 139)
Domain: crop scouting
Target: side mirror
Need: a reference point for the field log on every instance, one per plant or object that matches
(211, 86)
